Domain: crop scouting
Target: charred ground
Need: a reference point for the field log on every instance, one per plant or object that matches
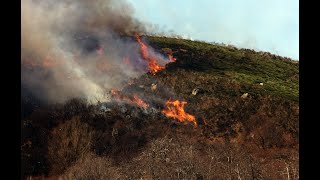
(252, 137)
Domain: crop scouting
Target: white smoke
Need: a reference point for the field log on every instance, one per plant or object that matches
(73, 48)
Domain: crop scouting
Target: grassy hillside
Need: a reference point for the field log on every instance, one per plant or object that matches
(279, 75)
(255, 137)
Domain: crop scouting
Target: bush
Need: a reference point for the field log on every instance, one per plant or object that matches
(67, 143)
(174, 159)
(91, 166)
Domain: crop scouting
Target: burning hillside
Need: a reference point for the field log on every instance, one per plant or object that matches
(142, 111)
(175, 109)
(133, 100)
(98, 96)
(89, 63)
(64, 58)
(152, 60)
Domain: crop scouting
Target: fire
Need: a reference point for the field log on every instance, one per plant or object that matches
(205, 122)
(175, 109)
(135, 100)
(139, 102)
(171, 58)
(115, 92)
(152, 62)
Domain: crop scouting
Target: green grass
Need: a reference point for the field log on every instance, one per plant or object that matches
(279, 75)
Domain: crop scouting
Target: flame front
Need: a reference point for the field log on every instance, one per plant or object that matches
(139, 102)
(135, 100)
(175, 109)
(171, 58)
(152, 62)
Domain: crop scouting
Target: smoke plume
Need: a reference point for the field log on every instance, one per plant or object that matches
(78, 48)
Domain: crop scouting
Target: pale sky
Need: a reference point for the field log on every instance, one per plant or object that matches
(263, 25)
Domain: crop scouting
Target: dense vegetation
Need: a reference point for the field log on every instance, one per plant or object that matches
(253, 137)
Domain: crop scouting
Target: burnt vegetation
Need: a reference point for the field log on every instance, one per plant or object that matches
(237, 137)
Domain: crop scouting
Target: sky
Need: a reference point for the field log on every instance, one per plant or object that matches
(262, 25)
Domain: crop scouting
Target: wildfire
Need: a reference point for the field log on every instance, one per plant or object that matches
(175, 109)
(152, 62)
(135, 100)
(205, 122)
(171, 58)
(139, 102)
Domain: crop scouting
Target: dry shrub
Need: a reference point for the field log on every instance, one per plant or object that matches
(284, 168)
(91, 166)
(227, 161)
(175, 159)
(164, 159)
(67, 143)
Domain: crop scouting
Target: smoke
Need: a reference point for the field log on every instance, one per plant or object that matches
(77, 48)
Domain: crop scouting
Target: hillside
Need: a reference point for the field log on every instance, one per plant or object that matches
(253, 136)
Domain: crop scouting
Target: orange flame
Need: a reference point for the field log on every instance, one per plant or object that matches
(175, 109)
(205, 122)
(139, 102)
(171, 58)
(135, 100)
(152, 63)
(115, 92)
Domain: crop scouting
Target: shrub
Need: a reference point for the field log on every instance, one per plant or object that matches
(67, 143)
(91, 166)
(174, 159)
